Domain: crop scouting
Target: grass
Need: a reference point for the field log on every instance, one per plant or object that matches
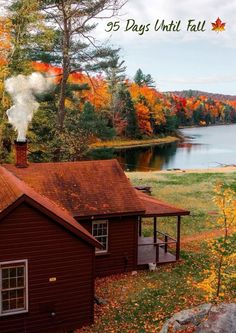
(141, 303)
(118, 143)
(192, 191)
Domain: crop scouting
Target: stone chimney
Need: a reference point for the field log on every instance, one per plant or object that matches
(21, 154)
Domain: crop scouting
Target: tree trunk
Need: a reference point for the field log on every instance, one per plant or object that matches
(219, 277)
(65, 68)
(62, 98)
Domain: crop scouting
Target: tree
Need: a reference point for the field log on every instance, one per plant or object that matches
(143, 80)
(80, 130)
(6, 132)
(222, 251)
(128, 109)
(143, 115)
(27, 26)
(115, 76)
(73, 21)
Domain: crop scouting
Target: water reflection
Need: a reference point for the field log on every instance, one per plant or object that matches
(203, 148)
(147, 158)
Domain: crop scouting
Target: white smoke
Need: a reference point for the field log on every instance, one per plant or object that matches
(23, 90)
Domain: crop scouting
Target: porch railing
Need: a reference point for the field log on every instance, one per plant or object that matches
(165, 243)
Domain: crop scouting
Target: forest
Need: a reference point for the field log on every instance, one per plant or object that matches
(91, 98)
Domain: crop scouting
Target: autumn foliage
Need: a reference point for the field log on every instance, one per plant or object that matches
(222, 271)
(153, 108)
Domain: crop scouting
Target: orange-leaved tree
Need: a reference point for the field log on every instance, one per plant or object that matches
(152, 100)
(5, 50)
(143, 115)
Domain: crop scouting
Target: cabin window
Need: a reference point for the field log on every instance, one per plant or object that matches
(100, 232)
(13, 287)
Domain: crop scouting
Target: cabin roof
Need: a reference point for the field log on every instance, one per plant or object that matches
(155, 207)
(13, 191)
(86, 189)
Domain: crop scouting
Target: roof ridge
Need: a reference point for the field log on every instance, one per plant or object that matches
(87, 188)
(67, 162)
(45, 202)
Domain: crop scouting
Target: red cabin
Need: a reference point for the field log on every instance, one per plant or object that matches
(62, 224)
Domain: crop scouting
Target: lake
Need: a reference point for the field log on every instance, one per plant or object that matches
(204, 147)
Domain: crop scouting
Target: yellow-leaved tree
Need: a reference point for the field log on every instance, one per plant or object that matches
(222, 251)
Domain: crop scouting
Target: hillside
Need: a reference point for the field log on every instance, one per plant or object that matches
(196, 93)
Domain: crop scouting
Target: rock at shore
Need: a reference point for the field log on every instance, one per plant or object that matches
(206, 318)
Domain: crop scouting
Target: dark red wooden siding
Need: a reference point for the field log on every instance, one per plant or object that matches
(51, 252)
(122, 246)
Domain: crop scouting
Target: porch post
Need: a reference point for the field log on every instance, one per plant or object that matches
(178, 238)
(155, 229)
(140, 227)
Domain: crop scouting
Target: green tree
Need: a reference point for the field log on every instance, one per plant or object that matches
(115, 76)
(142, 79)
(73, 22)
(27, 31)
(94, 124)
(128, 109)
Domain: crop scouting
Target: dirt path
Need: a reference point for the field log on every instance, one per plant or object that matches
(193, 242)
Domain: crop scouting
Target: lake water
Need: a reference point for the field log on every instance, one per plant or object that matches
(204, 147)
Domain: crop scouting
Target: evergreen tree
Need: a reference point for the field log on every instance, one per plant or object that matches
(94, 124)
(128, 111)
(27, 32)
(75, 50)
(115, 76)
(143, 80)
(88, 119)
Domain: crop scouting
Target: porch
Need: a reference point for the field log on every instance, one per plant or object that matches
(161, 248)
(149, 252)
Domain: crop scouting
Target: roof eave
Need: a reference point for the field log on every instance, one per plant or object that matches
(167, 214)
(101, 216)
(45, 210)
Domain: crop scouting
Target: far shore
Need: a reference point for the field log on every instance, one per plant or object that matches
(121, 144)
(204, 126)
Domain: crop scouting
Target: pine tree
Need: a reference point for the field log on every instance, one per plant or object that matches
(127, 111)
(88, 118)
(27, 26)
(73, 23)
(143, 80)
(115, 76)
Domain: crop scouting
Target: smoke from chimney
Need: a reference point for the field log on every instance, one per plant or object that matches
(23, 90)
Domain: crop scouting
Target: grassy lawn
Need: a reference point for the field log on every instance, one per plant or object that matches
(142, 302)
(192, 191)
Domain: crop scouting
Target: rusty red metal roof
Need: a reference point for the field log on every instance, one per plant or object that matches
(155, 207)
(13, 190)
(85, 189)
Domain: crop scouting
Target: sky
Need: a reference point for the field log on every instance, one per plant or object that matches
(178, 60)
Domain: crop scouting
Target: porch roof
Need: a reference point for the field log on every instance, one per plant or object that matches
(155, 207)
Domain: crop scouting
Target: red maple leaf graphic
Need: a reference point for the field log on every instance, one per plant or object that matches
(218, 25)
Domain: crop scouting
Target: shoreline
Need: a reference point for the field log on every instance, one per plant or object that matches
(225, 169)
(204, 126)
(128, 144)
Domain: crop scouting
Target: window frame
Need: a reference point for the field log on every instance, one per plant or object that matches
(15, 263)
(101, 251)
